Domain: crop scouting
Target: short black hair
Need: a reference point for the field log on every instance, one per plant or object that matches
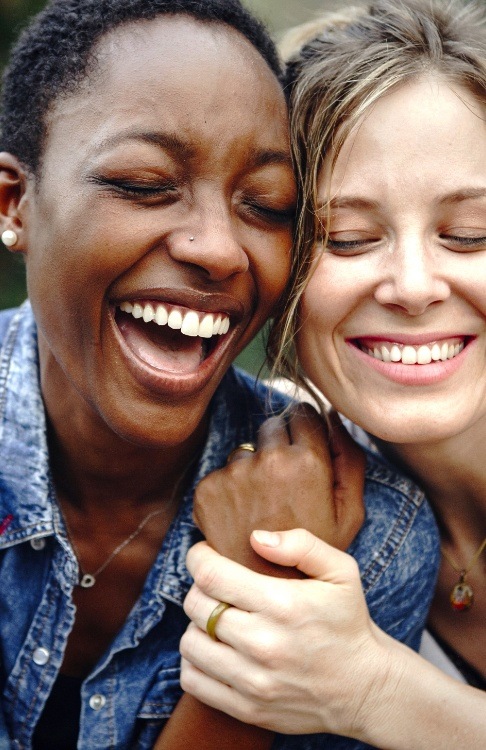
(53, 55)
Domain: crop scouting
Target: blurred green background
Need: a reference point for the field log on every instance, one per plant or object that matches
(278, 14)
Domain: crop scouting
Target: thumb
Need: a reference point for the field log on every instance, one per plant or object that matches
(301, 549)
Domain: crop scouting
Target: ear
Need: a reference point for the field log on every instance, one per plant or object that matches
(14, 184)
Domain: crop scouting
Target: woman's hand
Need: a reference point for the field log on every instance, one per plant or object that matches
(303, 656)
(301, 475)
(294, 656)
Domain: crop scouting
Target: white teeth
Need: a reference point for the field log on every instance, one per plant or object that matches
(435, 352)
(411, 355)
(148, 313)
(175, 320)
(424, 355)
(189, 323)
(161, 315)
(206, 327)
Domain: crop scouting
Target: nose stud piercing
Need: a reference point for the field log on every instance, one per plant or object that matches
(9, 237)
(191, 239)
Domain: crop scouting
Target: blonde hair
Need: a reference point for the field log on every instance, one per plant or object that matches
(337, 67)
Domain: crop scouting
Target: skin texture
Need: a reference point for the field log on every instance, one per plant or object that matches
(403, 274)
(409, 199)
(298, 476)
(146, 154)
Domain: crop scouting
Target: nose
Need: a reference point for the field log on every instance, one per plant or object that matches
(413, 279)
(210, 243)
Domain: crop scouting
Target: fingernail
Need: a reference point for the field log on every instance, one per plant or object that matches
(267, 538)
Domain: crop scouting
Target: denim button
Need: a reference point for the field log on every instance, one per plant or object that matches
(97, 701)
(41, 656)
(38, 544)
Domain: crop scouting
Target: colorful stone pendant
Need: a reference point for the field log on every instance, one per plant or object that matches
(462, 595)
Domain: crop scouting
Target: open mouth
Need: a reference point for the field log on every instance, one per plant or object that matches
(406, 354)
(170, 338)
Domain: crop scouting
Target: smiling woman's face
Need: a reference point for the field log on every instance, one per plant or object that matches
(393, 321)
(165, 200)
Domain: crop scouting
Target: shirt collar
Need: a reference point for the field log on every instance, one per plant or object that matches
(25, 510)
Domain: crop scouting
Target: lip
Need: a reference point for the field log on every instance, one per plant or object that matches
(413, 375)
(187, 298)
(166, 384)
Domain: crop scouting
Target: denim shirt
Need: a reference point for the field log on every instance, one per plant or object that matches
(135, 685)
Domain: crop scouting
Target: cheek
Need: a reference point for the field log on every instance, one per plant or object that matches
(271, 264)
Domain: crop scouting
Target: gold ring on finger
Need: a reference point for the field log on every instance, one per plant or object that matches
(213, 619)
(250, 447)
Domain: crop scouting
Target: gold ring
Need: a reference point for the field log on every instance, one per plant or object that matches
(243, 447)
(213, 619)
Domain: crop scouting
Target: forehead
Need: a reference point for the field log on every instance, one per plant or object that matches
(178, 74)
(428, 123)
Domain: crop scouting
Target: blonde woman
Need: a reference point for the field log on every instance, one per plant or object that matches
(388, 318)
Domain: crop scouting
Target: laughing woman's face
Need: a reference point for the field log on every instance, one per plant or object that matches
(157, 237)
(393, 321)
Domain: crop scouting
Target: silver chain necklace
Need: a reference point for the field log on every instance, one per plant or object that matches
(88, 580)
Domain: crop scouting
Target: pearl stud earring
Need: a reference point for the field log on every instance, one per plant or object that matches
(9, 237)
(191, 239)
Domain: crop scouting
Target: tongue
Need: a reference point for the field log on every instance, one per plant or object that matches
(161, 347)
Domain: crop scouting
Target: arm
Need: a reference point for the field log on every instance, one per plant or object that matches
(296, 477)
(325, 667)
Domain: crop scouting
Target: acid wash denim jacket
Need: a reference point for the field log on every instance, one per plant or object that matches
(135, 685)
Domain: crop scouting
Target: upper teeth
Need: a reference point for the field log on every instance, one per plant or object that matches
(415, 355)
(189, 322)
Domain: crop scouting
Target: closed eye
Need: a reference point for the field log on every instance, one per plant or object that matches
(138, 189)
(464, 243)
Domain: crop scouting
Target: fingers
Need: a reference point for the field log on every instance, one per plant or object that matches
(245, 450)
(273, 433)
(309, 431)
(212, 692)
(217, 659)
(309, 554)
(224, 580)
(349, 463)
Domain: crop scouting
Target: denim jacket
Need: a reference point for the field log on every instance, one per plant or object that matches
(135, 685)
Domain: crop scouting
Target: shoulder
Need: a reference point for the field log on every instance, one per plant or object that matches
(397, 551)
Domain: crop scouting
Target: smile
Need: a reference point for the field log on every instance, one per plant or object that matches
(406, 354)
(189, 322)
(172, 340)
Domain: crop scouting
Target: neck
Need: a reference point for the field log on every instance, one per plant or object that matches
(452, 473)
(94, 468)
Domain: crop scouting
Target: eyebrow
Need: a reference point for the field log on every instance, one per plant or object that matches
(174, 145)
(271, 156)
(167, 141)
(350, 201)
(464, 195)
(366, 204)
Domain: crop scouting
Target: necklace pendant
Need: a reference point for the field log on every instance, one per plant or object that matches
(462, 595)
(87, 581)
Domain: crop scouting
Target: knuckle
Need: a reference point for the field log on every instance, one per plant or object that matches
(187, 642)
(206, 576)
(191, 602)
(266, 649)
(256, 685)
